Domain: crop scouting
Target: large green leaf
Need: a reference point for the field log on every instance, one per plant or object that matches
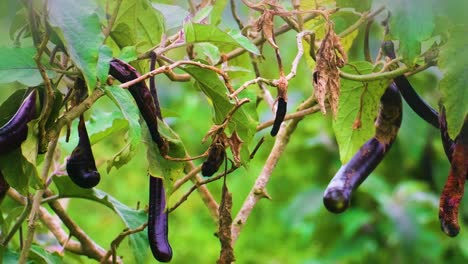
(131, 114)
(132, 218)
(138, 24)
(412, 21)
(244, 120)
(208, 33)
(453, 86)
(78, 26)
(17, 65)
(357, 97)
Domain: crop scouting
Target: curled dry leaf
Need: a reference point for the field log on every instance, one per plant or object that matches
(235, 142)
(330, 57)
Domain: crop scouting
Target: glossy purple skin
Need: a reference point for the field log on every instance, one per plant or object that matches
(81, 167)
(15, 131)
(279, 117)
(337, 196)
(338, 193)
(157, 221)
(124, 72)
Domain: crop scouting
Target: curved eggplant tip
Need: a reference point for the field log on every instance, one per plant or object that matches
(163, 254)
(450, 229)
(335, 201)
(84, 178)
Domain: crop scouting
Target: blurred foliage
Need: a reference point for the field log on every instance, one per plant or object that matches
(393, 217)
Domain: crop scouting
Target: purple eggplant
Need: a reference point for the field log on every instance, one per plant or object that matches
(338, 193)
(157, 221)
(15, 131)
(81, 166)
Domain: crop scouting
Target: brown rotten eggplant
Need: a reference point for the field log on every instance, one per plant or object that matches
(338, 193)
(419, 106)
(81, 166)
(157, 221)
(124, 72)
(15, 131)
(216, 155)
(454, 188)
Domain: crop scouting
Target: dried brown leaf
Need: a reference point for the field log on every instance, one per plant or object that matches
(235, 142)
(224, 230)
(330, 57)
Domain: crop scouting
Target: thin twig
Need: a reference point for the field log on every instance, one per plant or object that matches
(258, 191)
(18, 223)
(116, 242)
(111, 20)
(366, 17)
(36, 203)
(375, 76)
(298, 114)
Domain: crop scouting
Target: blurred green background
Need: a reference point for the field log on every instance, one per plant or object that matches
(393, 217)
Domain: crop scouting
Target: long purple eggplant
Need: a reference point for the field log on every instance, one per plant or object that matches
(15, 131)
(157, 221)
(339, 191)
(124, 72)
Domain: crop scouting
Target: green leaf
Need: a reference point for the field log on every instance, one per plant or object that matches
(244, 120)
(41, 256)
(132, 218)
(412, 21)
(217, 14)
(78, 26)
(99, 130)
(17, 65)
(359, 5)
(453, 86)
(159, 166)
(138, 24)
(125, 103)
(128, 54)
(9, 107)
(208, 33)
(17, 170)
(352, 94)
(105, 56)
(173, 15)
(202, 14)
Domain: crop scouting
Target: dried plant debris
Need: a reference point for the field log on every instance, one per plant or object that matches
(330, 57)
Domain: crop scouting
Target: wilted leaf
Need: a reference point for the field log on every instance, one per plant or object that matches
(330, 57)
